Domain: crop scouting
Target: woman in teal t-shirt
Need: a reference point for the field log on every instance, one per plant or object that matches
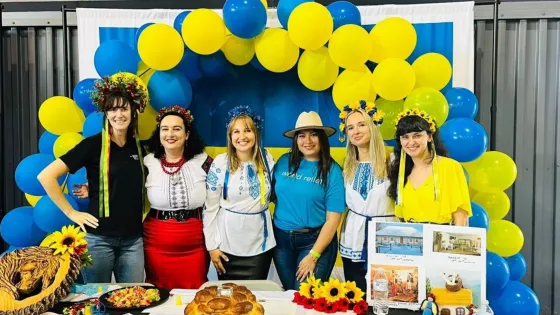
(309, 188)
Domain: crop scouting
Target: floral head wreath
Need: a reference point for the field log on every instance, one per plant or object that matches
(417, 112)
(242, 110)
(368, 107)
(175, 109)
(125, 85)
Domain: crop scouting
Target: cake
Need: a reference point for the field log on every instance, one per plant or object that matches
(228, 299)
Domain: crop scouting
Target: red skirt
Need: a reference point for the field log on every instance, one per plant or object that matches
(175, 253)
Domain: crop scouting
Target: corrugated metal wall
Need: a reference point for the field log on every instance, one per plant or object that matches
(528, 99)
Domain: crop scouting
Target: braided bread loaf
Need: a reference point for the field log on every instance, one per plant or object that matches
(208, 302)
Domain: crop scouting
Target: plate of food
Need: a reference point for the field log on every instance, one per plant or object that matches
(134, 298)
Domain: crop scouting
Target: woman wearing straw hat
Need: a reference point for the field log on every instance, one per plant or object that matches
(115, 172)
(427, 186)
(365, 175)
(237, 222)
(310, 201)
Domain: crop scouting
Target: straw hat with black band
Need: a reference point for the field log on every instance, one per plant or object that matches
(309, 120)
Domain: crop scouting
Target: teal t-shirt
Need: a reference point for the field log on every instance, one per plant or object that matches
(302, 201)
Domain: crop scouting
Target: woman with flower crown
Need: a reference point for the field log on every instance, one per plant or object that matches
(366, 180)
(115, 173)
(176, 189)
(428, 187)
(237, 222)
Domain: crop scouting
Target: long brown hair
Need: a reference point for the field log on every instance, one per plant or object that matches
(233, 160)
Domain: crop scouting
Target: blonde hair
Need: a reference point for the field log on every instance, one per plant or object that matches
(376, 151)
(233, 160)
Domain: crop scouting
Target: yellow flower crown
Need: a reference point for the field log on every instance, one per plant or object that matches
(417, 112)
(368, 107)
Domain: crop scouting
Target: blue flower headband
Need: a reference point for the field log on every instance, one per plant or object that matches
(368, 107)
(243, 110)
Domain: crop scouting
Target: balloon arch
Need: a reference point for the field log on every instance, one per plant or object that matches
(336, 53)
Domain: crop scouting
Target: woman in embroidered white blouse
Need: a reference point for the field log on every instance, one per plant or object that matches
(237, 222)
(365, 177)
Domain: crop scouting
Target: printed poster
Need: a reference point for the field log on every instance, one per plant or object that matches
(446, 261)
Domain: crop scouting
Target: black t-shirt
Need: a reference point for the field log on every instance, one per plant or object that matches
(125, 184)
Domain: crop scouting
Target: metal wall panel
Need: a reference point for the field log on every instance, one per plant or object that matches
(527, 129)
(527, 115)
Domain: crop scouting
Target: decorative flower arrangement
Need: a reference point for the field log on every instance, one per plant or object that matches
(331, 296)
(419, 113)
(69, 240)
(81, 308)
(473, 309)
(123, 84)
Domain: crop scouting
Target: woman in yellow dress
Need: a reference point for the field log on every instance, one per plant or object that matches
(428, 187)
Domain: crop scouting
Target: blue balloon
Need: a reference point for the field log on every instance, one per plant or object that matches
(82, 95)
(178, 23)
(167, 88)
(214, 65)
(18, 229)
(462, 103)
(93, 124)
(285, 8)
(140, 30)
(28, 170)
(479, 217)
(343, 13)
(256, 63)
(516, 299)
(76, 179)
(465, 139)
(49, 217)
(46, 143)
(517, 267)
(189, 65)
(245, 18)
(114, 56)
(497, 274)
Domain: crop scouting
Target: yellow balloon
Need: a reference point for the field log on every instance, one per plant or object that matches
(32, 200)
(144, 72)
(504, 238)
(351, 86)
(393, 37)
(316, 70)
(239, 51)
(431, 101)
(60, 114)
(204, 31)
(66, 142)
(161, 47)
(310, 25)
(147, 123)
(393, 79)
(391, 110)
(275, 50)
(496, 204)
(350, 46)
(493, 172)
(432, 70)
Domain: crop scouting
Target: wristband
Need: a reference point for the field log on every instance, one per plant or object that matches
(315, 254)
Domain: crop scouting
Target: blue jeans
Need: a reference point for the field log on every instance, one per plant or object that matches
(122, 255)
(292, 247)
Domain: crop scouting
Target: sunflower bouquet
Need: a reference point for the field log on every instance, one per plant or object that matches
(69, 240)
(331, 296)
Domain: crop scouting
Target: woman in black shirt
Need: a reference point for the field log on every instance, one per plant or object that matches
(115, 172)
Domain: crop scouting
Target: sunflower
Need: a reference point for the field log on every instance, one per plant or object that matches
(353, 293)
(70, 240)
(333, 290)
(310, 288)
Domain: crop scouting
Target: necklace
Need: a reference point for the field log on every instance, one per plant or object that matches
(175, 166)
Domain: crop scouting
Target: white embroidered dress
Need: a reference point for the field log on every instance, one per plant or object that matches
(366, 197)
(240, 225)
(184, 190)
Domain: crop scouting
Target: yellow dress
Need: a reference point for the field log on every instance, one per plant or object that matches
(419, 204)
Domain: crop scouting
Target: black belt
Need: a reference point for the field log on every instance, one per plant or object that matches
(181, 215)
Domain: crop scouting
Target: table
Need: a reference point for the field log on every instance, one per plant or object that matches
(170, 307)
